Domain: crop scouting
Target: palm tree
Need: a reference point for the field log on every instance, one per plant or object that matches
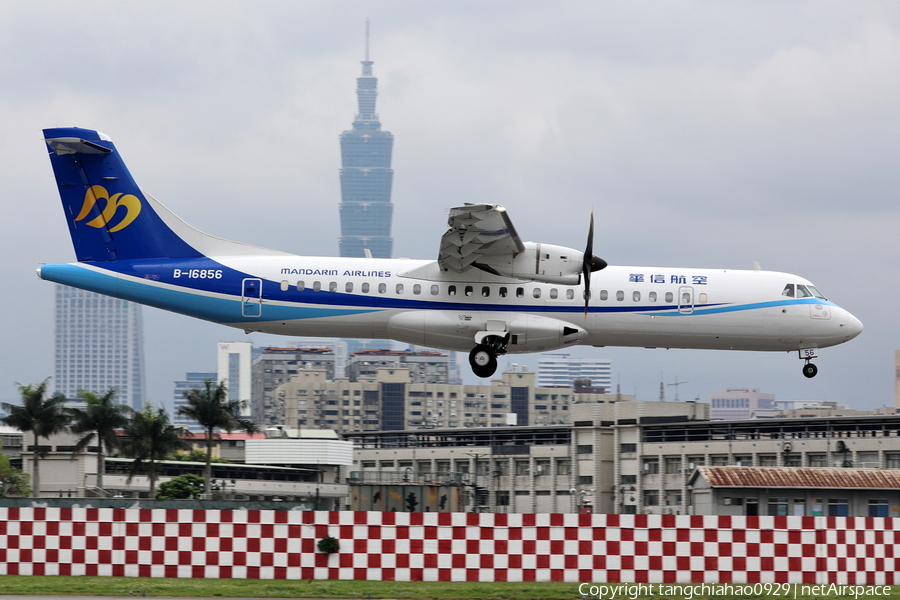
(40, 415)
(151, 437)
(101, 419)
(209, 406)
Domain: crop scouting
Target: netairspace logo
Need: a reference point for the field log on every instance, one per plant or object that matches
(690, 592)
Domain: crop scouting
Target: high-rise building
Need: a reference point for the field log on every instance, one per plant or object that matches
(99, 346)
(275, 366)
(235, 369)
(366, 175)
(562, 370)
(191, 381)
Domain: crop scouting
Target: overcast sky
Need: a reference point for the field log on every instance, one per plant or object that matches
(703, 134)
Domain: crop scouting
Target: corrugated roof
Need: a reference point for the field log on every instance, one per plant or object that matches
(801, 477)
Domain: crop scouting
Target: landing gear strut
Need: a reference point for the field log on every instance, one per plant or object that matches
(809, 369)
(483, 357)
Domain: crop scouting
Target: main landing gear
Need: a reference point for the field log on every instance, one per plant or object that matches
(483, 357)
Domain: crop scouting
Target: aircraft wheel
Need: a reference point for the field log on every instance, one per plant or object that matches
(483, 361)
(810, 370)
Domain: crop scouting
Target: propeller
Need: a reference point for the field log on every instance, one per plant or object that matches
(590, 264)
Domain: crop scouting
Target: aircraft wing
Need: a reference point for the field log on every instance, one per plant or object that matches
(479, 233)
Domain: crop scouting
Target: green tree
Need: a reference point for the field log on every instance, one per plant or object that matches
(100, 419)
(151, 437)
(40, 415)
(13, 482)
(209, 406)
(183, 487)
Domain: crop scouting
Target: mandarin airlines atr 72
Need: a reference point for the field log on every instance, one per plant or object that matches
(488, 293)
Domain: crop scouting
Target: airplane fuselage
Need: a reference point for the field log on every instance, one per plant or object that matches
(414, 301)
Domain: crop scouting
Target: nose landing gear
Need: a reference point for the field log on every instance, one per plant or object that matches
(809, 369)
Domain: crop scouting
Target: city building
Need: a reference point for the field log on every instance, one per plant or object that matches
(634, 457)
(741, 403)
(99, 346)
(191, 381)
(424, 366)
(561, 370)
(235, 370)
(390, 400)
(366, 175)
(311, 472)
(273, 367)
(799, 492)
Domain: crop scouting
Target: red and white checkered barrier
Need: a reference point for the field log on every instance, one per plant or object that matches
(392, 546)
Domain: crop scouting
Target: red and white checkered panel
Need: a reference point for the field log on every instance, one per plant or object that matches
(393, 546)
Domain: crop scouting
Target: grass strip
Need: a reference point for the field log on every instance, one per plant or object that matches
(397, 590)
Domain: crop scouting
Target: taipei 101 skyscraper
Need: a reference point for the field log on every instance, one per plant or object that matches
(366, 175)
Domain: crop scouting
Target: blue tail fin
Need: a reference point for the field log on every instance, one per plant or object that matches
(109, 217)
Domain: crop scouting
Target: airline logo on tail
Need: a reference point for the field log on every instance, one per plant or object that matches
(130, 202)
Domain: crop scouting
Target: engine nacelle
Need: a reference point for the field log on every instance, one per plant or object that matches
(459, 330)
(541, 262)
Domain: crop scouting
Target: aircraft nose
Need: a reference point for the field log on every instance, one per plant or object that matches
(850, 326)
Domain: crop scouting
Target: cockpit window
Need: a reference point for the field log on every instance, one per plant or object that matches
(788, 290)
(809, 291)
(816, 292)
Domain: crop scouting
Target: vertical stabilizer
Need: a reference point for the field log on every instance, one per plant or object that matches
(109, 217)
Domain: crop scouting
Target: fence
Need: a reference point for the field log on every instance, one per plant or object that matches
(395, 546)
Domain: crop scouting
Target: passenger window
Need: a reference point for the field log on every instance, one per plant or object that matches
(417, 289)
(348, 287)
(651, 296)
(620, 295)
(636, 296)
(435, 290)
(485, 291)
(382, 288)
(399, 288)
(554, 294)
(670, 297)
(300, 286)
(332, 287)
(703, 298)
(503, 292)
(520, 292)
(365, 288)
(570, 294)
(604, 295)
(788, 290)
(284, 286)
(469, 290)
(537, 292)
(451, 290)
(686, 298)
(317, 286)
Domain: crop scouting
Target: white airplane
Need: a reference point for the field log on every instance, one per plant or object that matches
(488, 292)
